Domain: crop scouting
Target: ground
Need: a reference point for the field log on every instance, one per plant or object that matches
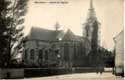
(81, 76)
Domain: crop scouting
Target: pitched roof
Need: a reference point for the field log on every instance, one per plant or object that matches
(52, 35)
(44, 34)
(69, 36)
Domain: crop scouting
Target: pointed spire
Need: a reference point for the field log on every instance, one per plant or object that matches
(91, 4)
(91, 14)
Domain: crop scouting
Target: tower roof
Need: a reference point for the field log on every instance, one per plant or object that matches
(91, 14)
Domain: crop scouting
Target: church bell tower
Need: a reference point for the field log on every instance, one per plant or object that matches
(91, 31)
(91, 27)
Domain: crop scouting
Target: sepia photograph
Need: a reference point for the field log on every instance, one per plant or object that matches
(62, 39)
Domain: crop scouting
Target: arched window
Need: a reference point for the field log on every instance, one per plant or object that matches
(56, 52)
(66, 52)
(46, 55)
(41, 54)
(25, 54)
(32, 54)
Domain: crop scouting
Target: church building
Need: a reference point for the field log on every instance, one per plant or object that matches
(56, 48)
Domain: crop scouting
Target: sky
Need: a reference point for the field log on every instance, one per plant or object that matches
(73, 13)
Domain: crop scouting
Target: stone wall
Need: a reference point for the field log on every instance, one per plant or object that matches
(11, 73)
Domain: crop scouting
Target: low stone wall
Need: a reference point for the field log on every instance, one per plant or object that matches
(39, 72)
(11, 73)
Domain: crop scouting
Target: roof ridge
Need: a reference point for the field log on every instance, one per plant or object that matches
(43, 34)
(40, 28)
(33, 27)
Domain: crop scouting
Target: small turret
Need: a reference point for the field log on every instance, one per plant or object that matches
(57, 26)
